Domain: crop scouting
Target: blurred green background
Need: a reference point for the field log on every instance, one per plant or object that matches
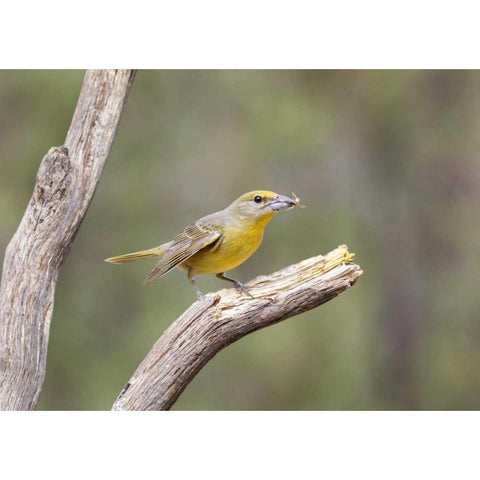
(387, 162)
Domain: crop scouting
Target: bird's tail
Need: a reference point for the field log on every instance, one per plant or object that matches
(135, 256)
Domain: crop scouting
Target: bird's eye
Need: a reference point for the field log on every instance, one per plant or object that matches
(257, 198)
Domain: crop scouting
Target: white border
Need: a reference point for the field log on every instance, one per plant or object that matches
(248, 34)
(294, 445)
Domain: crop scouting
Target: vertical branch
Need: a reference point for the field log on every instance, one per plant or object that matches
(65, 184)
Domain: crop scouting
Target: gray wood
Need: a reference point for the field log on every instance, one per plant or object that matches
(226, 316)
(65, 184)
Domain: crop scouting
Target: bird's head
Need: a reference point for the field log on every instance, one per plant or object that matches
(261, 205)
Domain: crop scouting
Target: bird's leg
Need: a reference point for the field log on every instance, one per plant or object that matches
(236, 283)
(191, 279)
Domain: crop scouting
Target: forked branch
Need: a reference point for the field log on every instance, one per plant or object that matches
(65, 183)
(226, 316)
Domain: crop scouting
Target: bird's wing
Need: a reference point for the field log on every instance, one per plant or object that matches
(188, 243)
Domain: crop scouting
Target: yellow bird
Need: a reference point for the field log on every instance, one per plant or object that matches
(218, 242)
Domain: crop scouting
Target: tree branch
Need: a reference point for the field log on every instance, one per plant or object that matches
(226, 316)
(65, 183)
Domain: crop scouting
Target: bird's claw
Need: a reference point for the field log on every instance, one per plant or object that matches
(242, 288)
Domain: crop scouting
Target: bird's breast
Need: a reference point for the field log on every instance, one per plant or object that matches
(235, 246)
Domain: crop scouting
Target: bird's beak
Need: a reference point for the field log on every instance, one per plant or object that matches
(281, 202)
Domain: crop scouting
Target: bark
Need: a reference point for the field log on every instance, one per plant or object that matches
(65, 183)
(226, 316)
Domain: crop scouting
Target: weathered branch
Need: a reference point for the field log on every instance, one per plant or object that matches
(65, 184)
(226, 316)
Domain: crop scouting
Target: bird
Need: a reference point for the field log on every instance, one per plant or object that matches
(218, 242)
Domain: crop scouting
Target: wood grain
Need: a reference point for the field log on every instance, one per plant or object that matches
(226, 316)
(65, 183)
